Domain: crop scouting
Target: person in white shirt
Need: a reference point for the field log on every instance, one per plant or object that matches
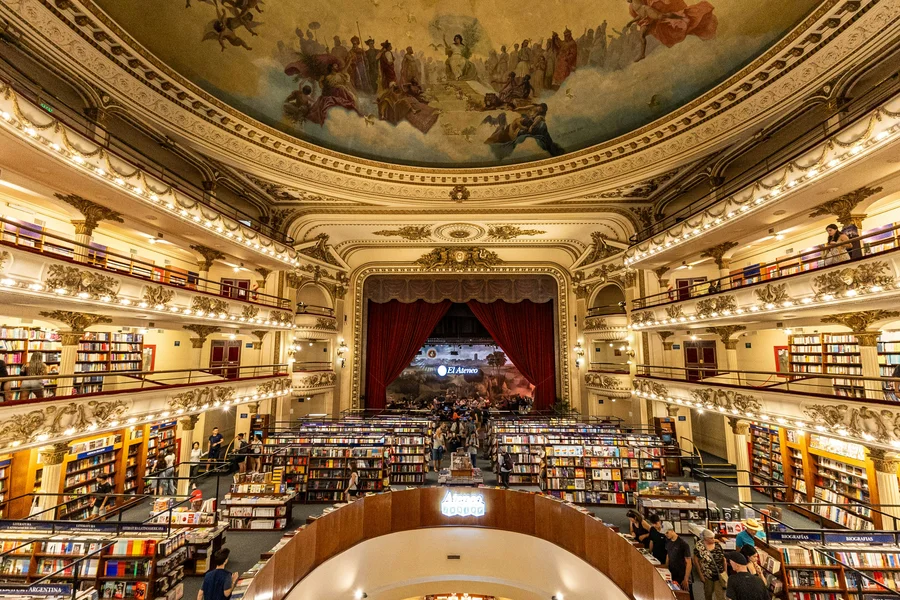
(196, 454)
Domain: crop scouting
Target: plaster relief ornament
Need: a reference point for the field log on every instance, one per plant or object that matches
(459, 259)
(74, 281)
(511, 232)
(408, 232)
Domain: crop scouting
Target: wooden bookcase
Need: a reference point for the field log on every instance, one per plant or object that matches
(330, 468)
(17, 344)
(766, 459)
(104, 352)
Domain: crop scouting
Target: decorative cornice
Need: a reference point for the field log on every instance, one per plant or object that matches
(53, 421)
(77, 321)
(654, 389)
(859, 322)
(717, 253)
(866, 277)
(594, 323)
(716, 305)
(461, 258)
(725, 332)
(202, 332)
(203, 305)
(84, 283)
(726, 400)
(200, 398)
(158, 297)
(842, 206)
(315, 380)
(92, 212)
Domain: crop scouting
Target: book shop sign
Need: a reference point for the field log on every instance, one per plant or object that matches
(463, 505)
(444, 370)
(37, 590)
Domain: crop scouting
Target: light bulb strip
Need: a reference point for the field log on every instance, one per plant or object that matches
(838, 431)
(806, 302)
(883, 126)
(137, 183)
(138, 305)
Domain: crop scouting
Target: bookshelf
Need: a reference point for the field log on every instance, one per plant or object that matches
(257, 502)
(526, 451)
(5, 472)
(888, 352)
(766, 460)
(135, 462)
(85, 461)
(161, 440)
(833, 571)
(292, 462)
(18, 344)
(330, 468)
(407, 452)
(127, 567)
(840, 477)
(795, 472)
(104, 352)
(806, 353)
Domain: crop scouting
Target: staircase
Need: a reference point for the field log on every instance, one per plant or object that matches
(712, 466)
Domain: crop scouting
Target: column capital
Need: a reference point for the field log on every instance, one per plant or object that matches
(739, 427)
(93, 213)
(209, 255)
(76, 320)
(859, 322)
(717, 253)
(82, 227)
(868, 338)
(55, 454)
(253, 408)
(187, 423)
(70, 338)
(672, 410)
(725, 334)
(202, 332)
(884, 462)
(842, 206)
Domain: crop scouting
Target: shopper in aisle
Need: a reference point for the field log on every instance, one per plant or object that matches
(196, 455)
(745, 537)
(256, 448)
(472, 447)
(168, 475)
(506, 467)
(437, 448)
(215, 447)
(218, 583)
(709, 558)
(352, 491)
(753, 564)
(639, 528)
(239, 448)
(36, 367)
(100, 500)
(657, 539)
(678, 559)
(742, 585)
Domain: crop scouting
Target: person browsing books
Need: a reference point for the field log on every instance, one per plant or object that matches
(709, 558)
(657, 539)
(352, 491)
(744, 538)
(678, 559)
(218, 583)
(743, 585)
(100, 499)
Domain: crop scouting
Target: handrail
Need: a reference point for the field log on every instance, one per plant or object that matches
(846, 387)
(812, 260)
(99, 259)
(527, 513)
(792, 149)
(312, 309)
(137, 380)
(91, 129)
(605, 367)
(312, 366)
(606, 311)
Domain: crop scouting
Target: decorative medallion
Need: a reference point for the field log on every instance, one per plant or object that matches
(459, 259)
(454, 232)
(459, 193)
(459, 234)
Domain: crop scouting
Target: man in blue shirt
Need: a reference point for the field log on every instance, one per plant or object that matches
(218, 583)
(745, 538)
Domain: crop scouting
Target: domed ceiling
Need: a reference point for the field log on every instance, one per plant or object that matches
(456, 83)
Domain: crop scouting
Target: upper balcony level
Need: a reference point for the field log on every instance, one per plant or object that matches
(854, 148)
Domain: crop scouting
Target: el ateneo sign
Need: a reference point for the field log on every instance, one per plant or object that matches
(463, 505)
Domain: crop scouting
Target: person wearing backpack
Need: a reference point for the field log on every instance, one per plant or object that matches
(506, 467)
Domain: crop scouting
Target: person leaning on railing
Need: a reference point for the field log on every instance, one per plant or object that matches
(35, 367)
(837, 250)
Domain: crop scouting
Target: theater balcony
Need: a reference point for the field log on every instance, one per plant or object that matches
(128, 398)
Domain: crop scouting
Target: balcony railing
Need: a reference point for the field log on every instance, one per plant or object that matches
(312, 309)
(877, 242)
(32, 238)
(80, 385)
(30, 89)
(830, 385)
(613, 368)
(792, 149)
(606, 311)
(312, 366)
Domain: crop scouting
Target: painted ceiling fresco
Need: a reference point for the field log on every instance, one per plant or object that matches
(456, 83)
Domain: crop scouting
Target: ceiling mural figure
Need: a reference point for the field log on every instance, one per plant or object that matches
(421, 82)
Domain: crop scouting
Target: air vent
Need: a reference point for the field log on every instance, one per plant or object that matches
(454, 557)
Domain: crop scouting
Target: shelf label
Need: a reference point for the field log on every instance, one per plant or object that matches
(463, 505)
(83, 526)
(793, 536)
(62, 589)
(860, 538)
(94, 452)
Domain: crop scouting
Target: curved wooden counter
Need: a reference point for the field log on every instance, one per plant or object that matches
(520, 512)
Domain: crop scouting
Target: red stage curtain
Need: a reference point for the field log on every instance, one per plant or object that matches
(524, 330)
(396, 331)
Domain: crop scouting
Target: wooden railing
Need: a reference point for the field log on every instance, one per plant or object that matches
(526, 513)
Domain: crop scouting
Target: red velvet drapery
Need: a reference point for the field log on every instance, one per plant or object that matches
(396, 331)
(524, 330)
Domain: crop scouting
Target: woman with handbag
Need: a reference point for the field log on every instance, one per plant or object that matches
(709, 557)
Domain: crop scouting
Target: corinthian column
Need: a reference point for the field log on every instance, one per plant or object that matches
(185, 432)
(51, 478)
(741, 429)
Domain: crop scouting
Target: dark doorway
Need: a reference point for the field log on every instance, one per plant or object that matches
(699, 360)
(225, 358)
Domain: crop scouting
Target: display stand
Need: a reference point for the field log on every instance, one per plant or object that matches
(255, 502)
(203, 533)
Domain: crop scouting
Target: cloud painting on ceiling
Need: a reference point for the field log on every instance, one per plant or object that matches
(455, 83)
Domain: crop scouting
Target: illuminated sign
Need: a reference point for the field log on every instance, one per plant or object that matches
(445, 370)
(462, 505)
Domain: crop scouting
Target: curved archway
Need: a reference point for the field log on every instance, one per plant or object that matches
(607, 300)
(313, 294)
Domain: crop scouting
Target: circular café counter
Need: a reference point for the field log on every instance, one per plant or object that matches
(488, 541)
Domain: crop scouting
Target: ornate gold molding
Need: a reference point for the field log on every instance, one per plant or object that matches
(70, 338)
(882, 462)
(600, 249)
(158, 297)
(717, 253)
(208, 305)
(408, 232)
(772, 294)
(859, 322)
(273, 386)
(249, 312)
(282, 318)
(511, 232)
(675, 312)
(77, 282)
(603, 381)
(716, 305)
(189, 422)
(209, 255)
(842, 206)
(200, 398)
(862, 278)
(55, 420)
(92, 212)
(725, 332)
(76, 321)
(315, 380)
(325, 323)
(594, 323)
(739, 427)
(648, 386)
(727, 400)
(260, 335)
(54, 455)
(202, 332)
(458, 258)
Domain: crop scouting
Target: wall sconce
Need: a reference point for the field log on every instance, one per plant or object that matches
(579, 354)
(342, 349)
